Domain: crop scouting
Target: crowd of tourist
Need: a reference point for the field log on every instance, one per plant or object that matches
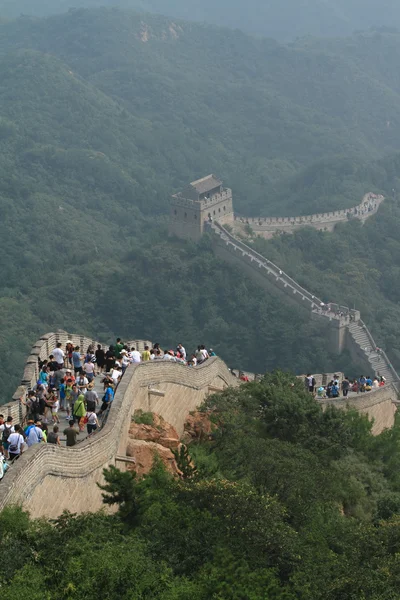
(65, 388)
(66, 384)
(335, 387)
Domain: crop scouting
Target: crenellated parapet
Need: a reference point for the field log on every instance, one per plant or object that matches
(267, 226)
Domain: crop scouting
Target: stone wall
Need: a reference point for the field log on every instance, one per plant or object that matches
(379, 406)
(48, 479)
(267, 226)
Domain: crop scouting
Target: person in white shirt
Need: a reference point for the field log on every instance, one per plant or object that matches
(125, 360)
(181, 351)
(59, 355)
(135, 356)
(16, 442)
(169, 355)
(82, 383)
(116, 374)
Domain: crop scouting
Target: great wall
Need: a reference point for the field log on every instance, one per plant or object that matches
(48, 479)
(267, 227)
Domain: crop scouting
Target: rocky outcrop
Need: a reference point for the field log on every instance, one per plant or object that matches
(198, 427)
(159, 431)
(145, 441)
(144, 454)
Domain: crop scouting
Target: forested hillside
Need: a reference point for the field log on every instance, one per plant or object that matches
(105, 113)
(279, 19)
(285, 501)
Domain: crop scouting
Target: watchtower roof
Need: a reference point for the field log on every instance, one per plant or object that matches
(206, 184)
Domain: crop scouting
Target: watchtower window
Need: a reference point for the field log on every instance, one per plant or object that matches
(195, 216)
(175, 212)
(224, 207)
(219, 210)
(185, 215)
(214, 213)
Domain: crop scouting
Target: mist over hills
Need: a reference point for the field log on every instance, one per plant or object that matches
(104, 113)
(279, 19)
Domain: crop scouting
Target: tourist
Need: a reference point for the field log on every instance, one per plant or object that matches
(345, 386)
(335, 389)
(375, 383)
(88, 369)
(53, 436)
(321, 392)
(116, 374)
(43, 377)
(79, 411)
(181, 351)
(146, 354)
(71, 434)
(107, 398)
(34, 433)
(91, 398)
(15, 443)
(44, 431)
(59, 356)
(135, 356)
(55, 408)
(61, 391)
(6, 429)
(310, 383)
(100, 358)
(362, 383)
(118, 347)
(69, 350)
(125, 360)
(92, 422)
(110, 359)
(68, 397)
(77, 361)
(82, 383)
(68, 375)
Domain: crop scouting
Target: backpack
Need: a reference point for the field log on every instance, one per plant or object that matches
(6, 433)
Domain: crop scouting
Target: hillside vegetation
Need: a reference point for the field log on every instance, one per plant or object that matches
(104, 113)
(288, 501)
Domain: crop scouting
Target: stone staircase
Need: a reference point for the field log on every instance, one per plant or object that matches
(378, 360)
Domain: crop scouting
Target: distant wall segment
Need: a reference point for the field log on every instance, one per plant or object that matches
(267, 226)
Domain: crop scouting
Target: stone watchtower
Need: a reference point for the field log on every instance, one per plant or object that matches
(198, 202)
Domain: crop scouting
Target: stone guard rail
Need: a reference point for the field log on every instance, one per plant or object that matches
(99, 451)
(282, 281)
(263, 262)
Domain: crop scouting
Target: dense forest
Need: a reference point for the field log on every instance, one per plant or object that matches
(105, 113)
(286, 501)
(280, 19)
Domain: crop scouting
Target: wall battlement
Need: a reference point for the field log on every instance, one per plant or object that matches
(268, 226)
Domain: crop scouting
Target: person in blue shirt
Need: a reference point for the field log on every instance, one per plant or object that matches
(77, 360)
(368, 381)
(107, 398)
(43, 377)
(362, 381)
